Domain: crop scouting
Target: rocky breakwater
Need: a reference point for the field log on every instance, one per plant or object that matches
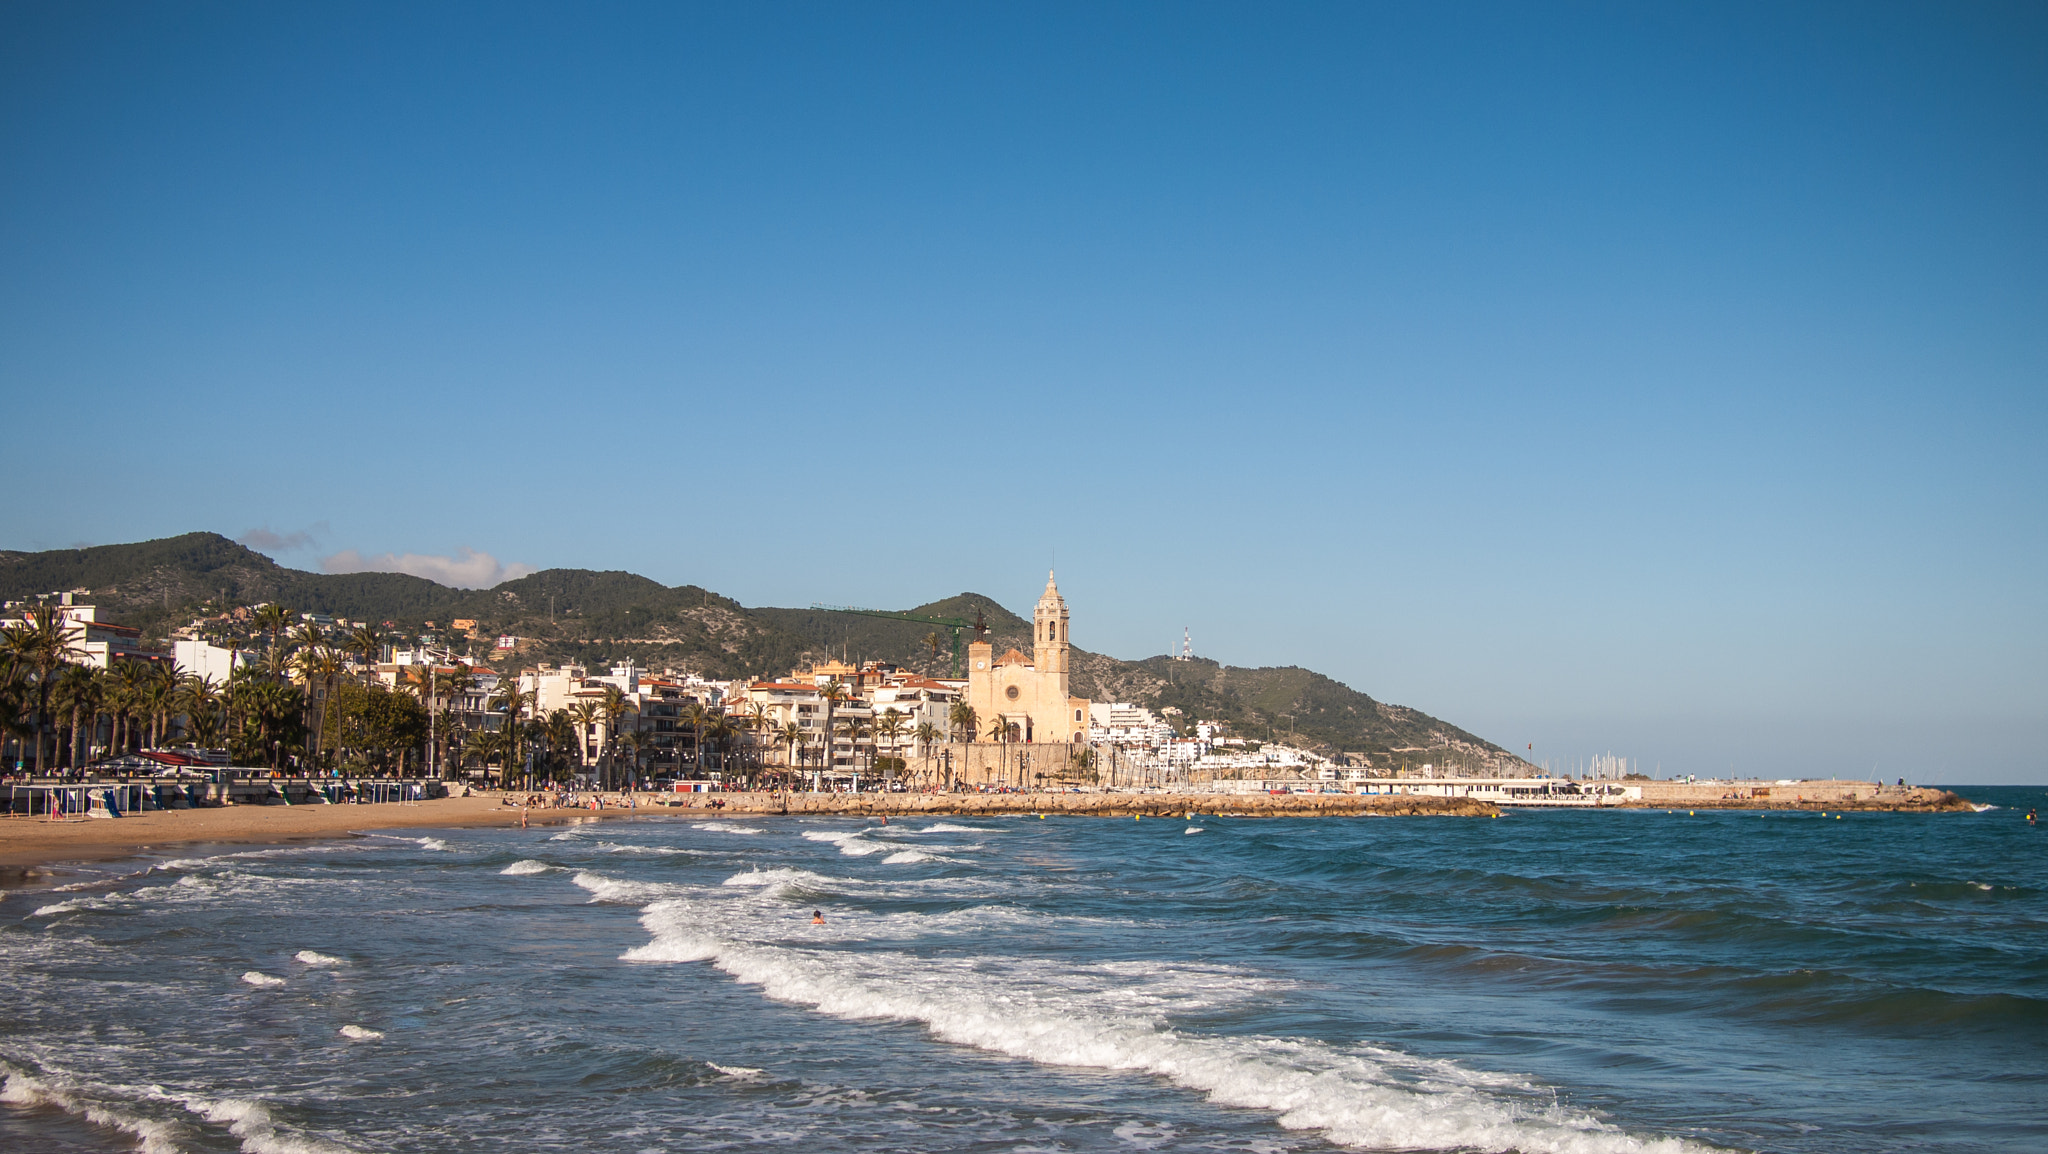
(1830, 796)
(1139, 805)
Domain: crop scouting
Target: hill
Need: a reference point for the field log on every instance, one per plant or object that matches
(602, 617)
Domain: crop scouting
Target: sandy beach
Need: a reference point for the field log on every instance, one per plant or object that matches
(33, 841)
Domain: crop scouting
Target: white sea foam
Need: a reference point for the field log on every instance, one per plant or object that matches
(528, 866)
(947, 827)
(70, 907)
(19, 1088)
(907, 856)
(1373, 1098)
(315, 958)
(260, 979)
(1982, 808)
(1192, 829)
(725, 827)
(850, 843)
(743, 1073)
(252, 1122)
(433, 843)
(361, 1033)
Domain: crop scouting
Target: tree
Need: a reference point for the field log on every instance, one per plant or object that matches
(585, 714)
(200, 698)
(927, 735)
(80, 692)
(963, 719)
(615, 705)
(888, 727)
(793, 736)
(41, 643)
(366, 646)
(999, 731)
(833, 692)
(159, 697)
(482, 745)
(377, 721)
(321, 666)
(272, 619)
(509, 697)
(853, 729)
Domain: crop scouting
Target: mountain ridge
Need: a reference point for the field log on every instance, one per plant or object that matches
(599, 616)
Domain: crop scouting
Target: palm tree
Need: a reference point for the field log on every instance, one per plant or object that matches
(999, 731)
(963, 719)
(80, 691)
(853, 729)
(833, 692)
(201, 701)
(509, 697)
(927, 735)
(363, 642)
(159, 696)
(614, 706)
(41, 643)
(696, 717)
(559, 730)
(888, 727)
(585, 714)
(793, 736)
(273, 618)
(482, 745)
(319, 665)
(721, 729)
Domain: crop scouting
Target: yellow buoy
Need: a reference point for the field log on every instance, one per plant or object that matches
(1692, 813)
(1135, 817)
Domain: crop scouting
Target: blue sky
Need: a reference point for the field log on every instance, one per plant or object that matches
(1666, 380)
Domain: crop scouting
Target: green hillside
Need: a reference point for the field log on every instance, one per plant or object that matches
(598, 618)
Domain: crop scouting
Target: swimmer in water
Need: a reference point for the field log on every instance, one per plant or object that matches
(817, 917)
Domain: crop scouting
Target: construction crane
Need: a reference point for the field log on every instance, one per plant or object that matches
(954, 623)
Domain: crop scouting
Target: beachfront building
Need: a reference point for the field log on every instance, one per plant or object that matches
(1127, 726)
(1030, 694)
(209, 662)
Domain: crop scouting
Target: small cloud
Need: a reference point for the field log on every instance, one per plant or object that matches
(267, 540)
(467, 569)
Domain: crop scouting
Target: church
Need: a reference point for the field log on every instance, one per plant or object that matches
(1029, 693)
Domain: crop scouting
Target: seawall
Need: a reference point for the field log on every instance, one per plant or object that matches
(1087, 804)
(1814, 795)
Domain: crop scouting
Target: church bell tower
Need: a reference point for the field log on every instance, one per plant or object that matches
(1050, 644)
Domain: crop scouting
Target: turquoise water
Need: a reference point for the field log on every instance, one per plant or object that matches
(1557, 981)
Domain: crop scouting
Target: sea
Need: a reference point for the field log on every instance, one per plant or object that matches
(1557, 981)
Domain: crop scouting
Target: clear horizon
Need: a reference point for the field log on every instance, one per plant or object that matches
(1667, 383)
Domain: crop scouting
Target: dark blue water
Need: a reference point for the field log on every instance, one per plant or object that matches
(1550, 981)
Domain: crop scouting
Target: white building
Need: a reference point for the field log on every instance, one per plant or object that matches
(207, 661)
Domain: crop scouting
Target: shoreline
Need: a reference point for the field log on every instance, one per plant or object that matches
(30, 845)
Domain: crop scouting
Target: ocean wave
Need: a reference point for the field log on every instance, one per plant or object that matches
(851, 844)
(527, 866)
(262, 980)
(20, 1088)
(1360, 1098)
(361, 1033)
(315, 958)
(948, 827)
(725, 827)
(252, 1122)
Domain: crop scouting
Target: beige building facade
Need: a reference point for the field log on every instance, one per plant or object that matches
(1030, 694)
